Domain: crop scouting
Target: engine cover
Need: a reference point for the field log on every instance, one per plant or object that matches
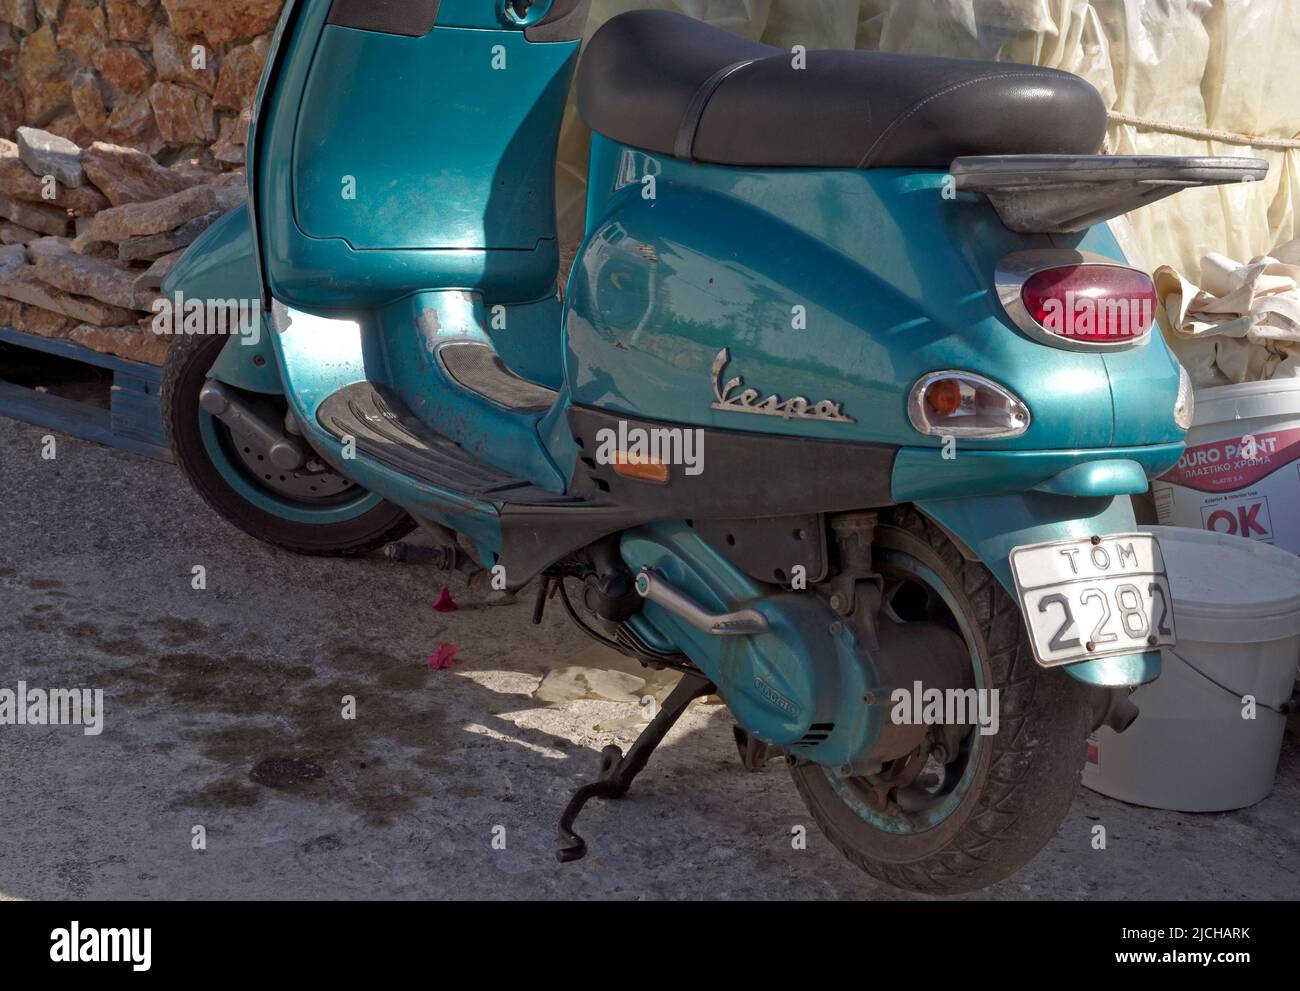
(810, 684)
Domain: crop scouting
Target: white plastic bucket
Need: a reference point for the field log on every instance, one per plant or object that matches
(1240, 474)
(1237, 619)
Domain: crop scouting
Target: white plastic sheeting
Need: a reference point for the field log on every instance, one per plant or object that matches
(1227, 65)
(1242, 324)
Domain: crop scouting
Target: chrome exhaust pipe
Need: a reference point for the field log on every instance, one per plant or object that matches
(746, 622)
(1114, 708)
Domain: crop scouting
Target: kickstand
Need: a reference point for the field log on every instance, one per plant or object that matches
(617, 771)
(754, 754)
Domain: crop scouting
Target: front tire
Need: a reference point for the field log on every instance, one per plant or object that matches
(331, 519)
(1018, 783)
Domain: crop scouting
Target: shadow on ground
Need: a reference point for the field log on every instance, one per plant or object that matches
(225, 711)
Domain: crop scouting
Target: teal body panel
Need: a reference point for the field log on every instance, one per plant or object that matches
(316, 357)
(840, 285)
(403, 356)
(221, 263)
(468, 173)
(527, 337)
(250, 364)
(429, 213)
(922, 473)
(1113, 476)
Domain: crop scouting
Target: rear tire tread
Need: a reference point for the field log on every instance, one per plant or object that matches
(1024, 799)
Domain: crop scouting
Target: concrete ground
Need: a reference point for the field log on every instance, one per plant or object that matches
(223, 710)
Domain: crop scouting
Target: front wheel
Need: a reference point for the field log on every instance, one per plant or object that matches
(309, 511)
(977, 814)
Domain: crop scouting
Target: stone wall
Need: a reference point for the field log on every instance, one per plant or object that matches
(129, 120)
(89, 234)
(172, 78)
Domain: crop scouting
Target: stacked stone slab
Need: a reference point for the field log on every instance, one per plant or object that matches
(89, 234)
(128, 120)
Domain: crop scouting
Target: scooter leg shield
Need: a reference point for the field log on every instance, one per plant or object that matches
(990, 527)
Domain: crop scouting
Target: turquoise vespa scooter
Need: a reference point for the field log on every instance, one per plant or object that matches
(839, 412)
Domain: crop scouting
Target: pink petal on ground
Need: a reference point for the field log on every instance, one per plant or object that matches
(445, 602)
(444, 657)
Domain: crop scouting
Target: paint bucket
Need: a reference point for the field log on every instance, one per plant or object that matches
(1237, 619)
(1240, 474)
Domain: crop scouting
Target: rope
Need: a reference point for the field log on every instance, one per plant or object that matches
(1205, 133)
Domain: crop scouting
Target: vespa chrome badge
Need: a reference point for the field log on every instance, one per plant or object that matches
(747, 400)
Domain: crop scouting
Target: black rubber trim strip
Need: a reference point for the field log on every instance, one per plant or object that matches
(477, 368)
(694, 114)
(762, 547)
(412, 18)
(745, 475)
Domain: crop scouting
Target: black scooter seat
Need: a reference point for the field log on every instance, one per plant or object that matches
(671, 84)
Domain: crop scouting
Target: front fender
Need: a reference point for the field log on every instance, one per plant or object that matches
(222, 265)
(991, 526)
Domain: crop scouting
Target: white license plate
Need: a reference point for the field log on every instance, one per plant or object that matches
(1094, 597)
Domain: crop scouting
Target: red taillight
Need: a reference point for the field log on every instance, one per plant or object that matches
(1091, 304)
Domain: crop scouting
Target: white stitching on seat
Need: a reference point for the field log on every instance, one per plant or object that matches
(688, 132)
(916, 108)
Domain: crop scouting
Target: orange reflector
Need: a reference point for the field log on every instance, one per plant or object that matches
(640, 468)
(944, 397)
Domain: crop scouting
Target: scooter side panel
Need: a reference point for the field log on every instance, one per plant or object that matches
(888, 278)
(842, 286)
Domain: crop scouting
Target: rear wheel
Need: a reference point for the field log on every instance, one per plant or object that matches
(968, 818)
(309, 511)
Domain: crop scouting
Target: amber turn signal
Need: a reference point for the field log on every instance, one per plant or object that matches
(963, 404)
(944, 396)
(639, 468)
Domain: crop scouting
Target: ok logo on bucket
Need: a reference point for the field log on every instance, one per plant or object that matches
(1248, 518)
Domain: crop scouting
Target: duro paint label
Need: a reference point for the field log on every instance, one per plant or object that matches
(1245, 486)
